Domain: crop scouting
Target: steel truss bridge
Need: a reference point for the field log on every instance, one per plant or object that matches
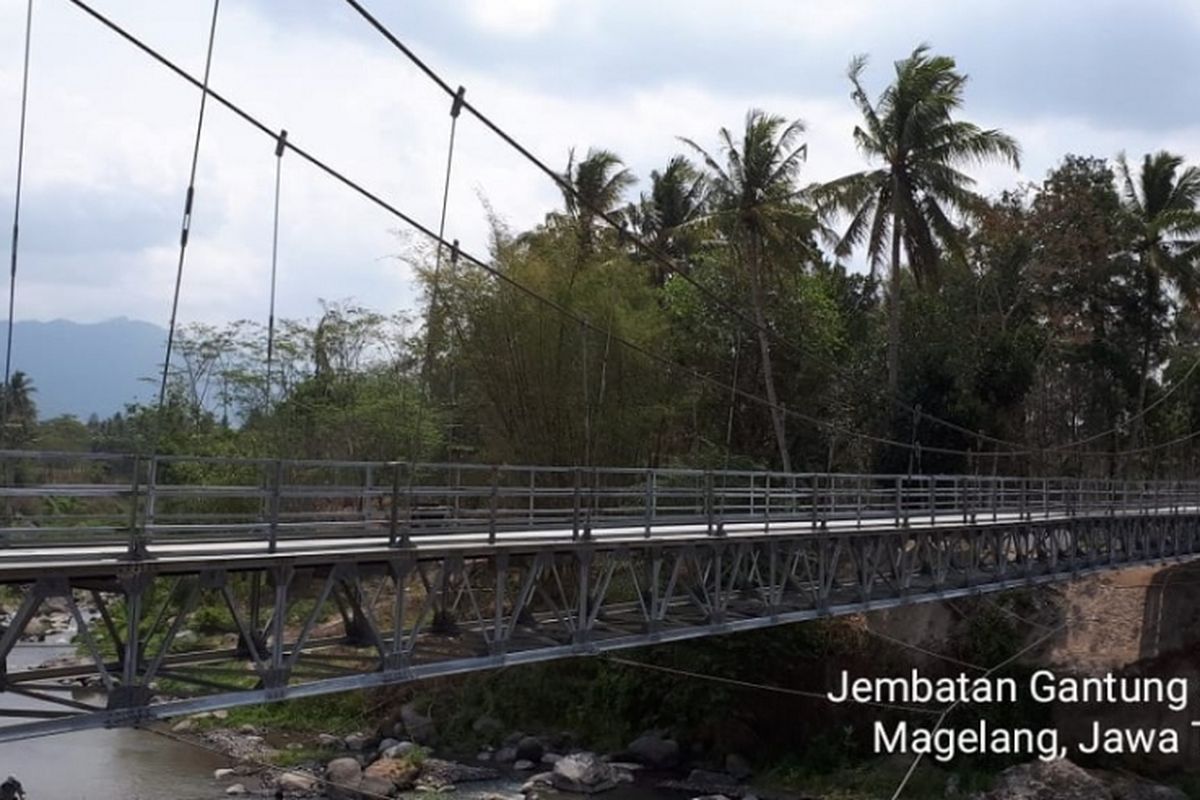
(345, 575)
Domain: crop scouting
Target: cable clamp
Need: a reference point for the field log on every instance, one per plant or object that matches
(280, 143)
(459, 99)
(454, 252)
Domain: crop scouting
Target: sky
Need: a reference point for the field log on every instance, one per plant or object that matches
(109, 132)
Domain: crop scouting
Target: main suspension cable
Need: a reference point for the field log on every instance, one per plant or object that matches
(16, 228)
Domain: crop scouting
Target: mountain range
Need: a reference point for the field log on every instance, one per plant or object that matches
(87, 368)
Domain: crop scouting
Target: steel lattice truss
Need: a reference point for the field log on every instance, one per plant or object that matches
(413, 571)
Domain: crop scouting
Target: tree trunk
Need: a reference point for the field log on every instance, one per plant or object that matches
(1152, 287)
(764, 346)
(893, 356)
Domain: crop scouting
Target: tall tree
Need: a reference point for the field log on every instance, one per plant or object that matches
(908, 201)
(1162, 203)
(597, 183)
(665, 215)
(757, 207)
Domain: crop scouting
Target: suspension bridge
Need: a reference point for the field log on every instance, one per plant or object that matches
(344, 575)
(437, 569)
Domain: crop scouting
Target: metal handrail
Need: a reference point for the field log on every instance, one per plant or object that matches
(69, 498)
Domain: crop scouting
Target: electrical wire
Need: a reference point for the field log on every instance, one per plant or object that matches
(5, 389)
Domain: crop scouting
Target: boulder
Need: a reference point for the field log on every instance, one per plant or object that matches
(343, 776)
(398, 750)
(222, 773)
(523, 765)
(530, 748)
(550, 758)
(399, 772)
(386, 743)
(355, 742)
(1055, 780)
(236, 788)
(183, 726)
(418, 726)
(540, 781)
(371, 787)
(328, 740)
(506, 755)
(583, 773)
(483, 755)
(653, 750)
(296, 783)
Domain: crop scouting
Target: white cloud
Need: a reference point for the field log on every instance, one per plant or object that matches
(515, 17)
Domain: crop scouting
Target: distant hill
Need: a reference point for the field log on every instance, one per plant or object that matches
(87, 368)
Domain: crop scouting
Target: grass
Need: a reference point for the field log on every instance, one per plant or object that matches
(336, 714)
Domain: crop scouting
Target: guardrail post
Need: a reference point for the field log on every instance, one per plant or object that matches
(532, 496)
(814, 517)
(575, 503)
(708, 499)
(136, 548)
(492, 505)
(767, 504)
(273, 509)
(901, 521)
(932, 500)
(394, 519)
(649, 502)
(1023, 513)
(594, 505)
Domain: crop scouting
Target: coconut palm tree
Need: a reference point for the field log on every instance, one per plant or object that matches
(1162, 201)
(594, 186)
(666, 215)
(908, 202)
(756, 207)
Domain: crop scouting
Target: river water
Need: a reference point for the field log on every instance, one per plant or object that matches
(121, 764)
(128, 764)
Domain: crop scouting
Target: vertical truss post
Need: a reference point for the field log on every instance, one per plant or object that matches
(499, 643)
(583, 607)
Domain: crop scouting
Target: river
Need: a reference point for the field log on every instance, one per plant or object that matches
(121, 764)
(129, 764)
